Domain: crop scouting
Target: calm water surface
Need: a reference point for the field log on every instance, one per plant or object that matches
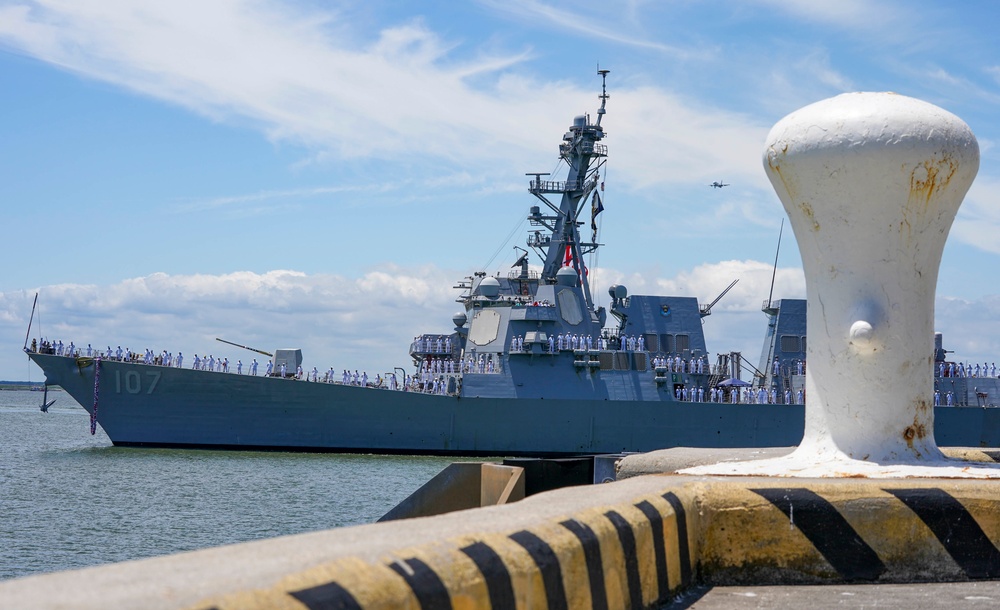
(70, 500)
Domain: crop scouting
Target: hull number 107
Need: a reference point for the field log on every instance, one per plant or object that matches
(132, 382)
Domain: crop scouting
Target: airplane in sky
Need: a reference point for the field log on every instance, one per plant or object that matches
(717, 185)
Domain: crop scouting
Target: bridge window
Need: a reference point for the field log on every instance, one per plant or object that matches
(790, 343)
(666, 343)
(652, 344)
(683, 343)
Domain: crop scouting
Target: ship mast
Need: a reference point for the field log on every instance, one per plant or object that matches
(585, 157)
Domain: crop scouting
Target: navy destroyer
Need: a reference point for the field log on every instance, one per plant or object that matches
(532, 367)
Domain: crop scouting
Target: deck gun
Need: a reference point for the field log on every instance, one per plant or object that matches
(252, 349)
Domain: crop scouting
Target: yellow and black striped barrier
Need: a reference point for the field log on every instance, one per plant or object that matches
(621, 556)
(851, 531)
(639, 553)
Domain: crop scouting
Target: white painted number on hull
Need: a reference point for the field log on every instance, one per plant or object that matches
(133, 382)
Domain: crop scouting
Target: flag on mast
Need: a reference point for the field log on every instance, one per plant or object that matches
(596, 207)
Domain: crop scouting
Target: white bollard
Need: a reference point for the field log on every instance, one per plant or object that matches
(871, 183)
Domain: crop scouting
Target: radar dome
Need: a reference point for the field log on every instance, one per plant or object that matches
(459, 319)
(617, 291)
(489, 287)
(566, 276)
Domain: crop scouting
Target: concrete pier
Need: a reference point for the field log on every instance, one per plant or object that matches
(630, 544)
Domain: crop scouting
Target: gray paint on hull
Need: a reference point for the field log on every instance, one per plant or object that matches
(205, 409)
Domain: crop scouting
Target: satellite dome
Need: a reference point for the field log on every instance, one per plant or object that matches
(489, 287)
(566, 276)
(459, 319)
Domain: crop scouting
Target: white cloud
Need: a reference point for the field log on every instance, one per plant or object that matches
(860, 15)
(604, 25)
(364, 322)
(367, 323)
(978, 220)
(300, 78)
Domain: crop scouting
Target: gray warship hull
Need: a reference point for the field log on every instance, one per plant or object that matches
(533, 366)
(151, 406)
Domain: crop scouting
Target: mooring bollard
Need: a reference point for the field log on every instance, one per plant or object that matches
(871, 183)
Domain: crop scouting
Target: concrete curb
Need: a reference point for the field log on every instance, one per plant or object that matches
(629, 544)
(622, 555)
(636, 554)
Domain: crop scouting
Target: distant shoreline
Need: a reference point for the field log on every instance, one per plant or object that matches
(22, 385)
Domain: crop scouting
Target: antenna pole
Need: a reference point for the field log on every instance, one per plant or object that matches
(774, 270)
(604, 94)
(30, 319)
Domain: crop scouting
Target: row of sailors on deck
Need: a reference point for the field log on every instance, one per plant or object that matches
(950, 369)
(750, 396)
(428, 345)
(569, 341)
(485, 364)
(696, 366)
(949, 398)
(437, 365)
(561, 342)
(799, 367)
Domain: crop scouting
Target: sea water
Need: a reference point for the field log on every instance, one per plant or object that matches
(71, 500)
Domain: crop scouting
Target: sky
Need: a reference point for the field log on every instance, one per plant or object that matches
(320, 174)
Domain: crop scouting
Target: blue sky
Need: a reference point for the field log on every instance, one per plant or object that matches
(319, 174)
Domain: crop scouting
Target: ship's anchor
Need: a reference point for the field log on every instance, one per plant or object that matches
(46, 403)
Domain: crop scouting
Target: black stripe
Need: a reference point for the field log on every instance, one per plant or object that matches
(627, 539)
(548, 565)
(955, 528)
(498, 582)
(682, 537)
(828, 531)
(330, 596)
(656, 524)
(592, 555)
(426, 584)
